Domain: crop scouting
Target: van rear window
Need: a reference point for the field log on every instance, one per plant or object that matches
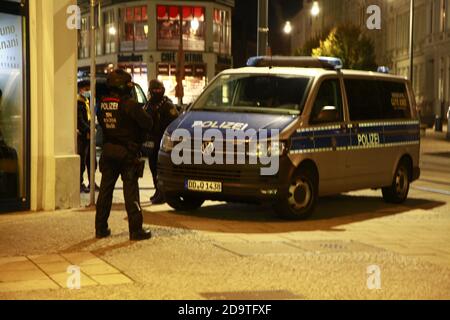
(376, 99)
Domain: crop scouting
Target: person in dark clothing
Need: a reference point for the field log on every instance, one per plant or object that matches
(83, 133)
(124, 124)
(163, 112)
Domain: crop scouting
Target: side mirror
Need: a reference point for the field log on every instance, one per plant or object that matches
(327, 114)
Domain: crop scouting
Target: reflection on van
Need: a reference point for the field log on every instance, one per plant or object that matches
(340, 130)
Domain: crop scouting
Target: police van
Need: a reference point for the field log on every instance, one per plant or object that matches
(338, 131)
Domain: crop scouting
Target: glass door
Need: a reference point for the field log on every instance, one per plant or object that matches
(14, 110)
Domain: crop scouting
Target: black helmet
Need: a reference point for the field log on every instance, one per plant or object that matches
(119, 80)
(156, 89)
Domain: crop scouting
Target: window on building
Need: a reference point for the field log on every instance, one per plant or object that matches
(84, 44)
(222, 31)
(134, 29)
(192, 25)
(110, 32)
(99, 41)
(194, 82)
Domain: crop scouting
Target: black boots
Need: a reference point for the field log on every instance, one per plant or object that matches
(143, 234)
(101, 234)
(158, 198)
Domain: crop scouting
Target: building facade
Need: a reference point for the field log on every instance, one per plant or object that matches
(431, 72)
(39, 167)
(143, 37)
(335, 12)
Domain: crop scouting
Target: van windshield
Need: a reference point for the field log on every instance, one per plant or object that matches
(255, 93)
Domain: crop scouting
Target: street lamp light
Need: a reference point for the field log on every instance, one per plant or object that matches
(288, 31)
(112, 31)
(315, 9)
(287, 27)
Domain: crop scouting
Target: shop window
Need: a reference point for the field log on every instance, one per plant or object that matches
(83, 40)
(110, 32)
(14, 136)
(134, 29)
(222, 32)
(139, 75)
(192, 20)
(194, 82)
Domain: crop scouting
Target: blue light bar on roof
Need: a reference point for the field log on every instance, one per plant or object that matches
(383, 69)
(336, 62)
(295, 62)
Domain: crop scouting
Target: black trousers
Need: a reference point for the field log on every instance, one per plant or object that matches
(111, 170)
(84, 151)
(153, 162)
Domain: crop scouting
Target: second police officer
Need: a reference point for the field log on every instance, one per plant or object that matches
(123, 122)
(163, 112)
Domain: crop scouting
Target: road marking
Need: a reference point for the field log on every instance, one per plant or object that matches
(432, 190)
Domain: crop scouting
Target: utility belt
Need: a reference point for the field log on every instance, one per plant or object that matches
(151, 145)
(121, 154)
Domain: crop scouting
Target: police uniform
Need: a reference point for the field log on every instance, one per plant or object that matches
(163, 112)
(84, 139)
(123, 123)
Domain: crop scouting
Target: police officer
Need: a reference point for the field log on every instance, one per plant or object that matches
(83, 132)
(163, 112)
(123, 123)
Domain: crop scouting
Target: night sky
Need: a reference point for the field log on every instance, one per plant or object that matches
(245, 27)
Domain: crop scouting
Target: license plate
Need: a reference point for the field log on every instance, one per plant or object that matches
(204, 186)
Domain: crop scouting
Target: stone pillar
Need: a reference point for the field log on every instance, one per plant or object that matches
(53, 74)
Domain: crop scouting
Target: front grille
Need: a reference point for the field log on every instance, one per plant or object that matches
(212, 173)
(206, 172)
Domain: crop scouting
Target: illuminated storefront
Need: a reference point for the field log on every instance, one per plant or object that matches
(143, 37)
(38, 160)
(14, 108)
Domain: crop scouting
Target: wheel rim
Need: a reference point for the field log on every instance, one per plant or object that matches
(300, 194)
(401, 182)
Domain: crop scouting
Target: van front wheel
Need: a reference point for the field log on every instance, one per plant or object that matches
(183, 203)
(301, 198)
(398, 191)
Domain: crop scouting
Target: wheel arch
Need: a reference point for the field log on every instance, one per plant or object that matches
(407, 158)
(310, 166)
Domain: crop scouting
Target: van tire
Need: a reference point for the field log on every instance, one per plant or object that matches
(398, 191)
(183, 203)
(301, 198)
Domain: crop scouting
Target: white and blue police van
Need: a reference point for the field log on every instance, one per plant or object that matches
(288, 130)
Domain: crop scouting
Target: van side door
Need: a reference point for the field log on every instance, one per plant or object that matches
(328, 130)
(366, 160)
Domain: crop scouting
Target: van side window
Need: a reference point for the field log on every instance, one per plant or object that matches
(328, 105)
(395, 101)
(363, 99)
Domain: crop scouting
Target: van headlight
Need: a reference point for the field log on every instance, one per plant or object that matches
(167, 143)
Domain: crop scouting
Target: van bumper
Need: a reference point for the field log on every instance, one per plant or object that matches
(240, 183)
